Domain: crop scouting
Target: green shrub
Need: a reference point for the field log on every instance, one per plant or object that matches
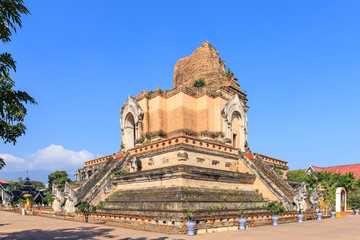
(120, 172)
(275, 207)
(199, 82)
(84, 207)
(100, 205)
(229, 74)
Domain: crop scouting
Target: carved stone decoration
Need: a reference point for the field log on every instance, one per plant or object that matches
(59, 198)
(131, 123)
(136, 164)
(315, 195)
(200, 160)
(182, 156)
(165, 160)
(227, 164)
(300, 196)
(215, 162)
(150, 161)
(235, 107)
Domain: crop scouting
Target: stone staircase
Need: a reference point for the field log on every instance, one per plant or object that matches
(101, 179)
(274, 182)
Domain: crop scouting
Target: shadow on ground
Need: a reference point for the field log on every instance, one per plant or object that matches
(69, 233)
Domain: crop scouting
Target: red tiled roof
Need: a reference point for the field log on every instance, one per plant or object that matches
(354, 168)
(4, 182)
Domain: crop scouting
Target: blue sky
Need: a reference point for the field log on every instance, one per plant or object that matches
(298, 61)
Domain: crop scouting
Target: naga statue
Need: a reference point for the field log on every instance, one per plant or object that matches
(68, 197)
(71, 199)
(300, 196)
(58, 198)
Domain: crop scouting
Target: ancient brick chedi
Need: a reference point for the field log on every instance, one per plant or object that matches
(185, 147)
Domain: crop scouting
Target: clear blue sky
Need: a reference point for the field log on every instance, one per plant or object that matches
(298, 61)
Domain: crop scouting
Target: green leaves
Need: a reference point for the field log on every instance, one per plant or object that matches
(199, 82)
(298, 175)
(10, 13)
(275, 207)
(58, 178)
(84, 207)
(12, 109)
(229, 74)
(2, 163)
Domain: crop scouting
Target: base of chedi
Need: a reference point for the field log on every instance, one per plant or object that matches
(185, 148)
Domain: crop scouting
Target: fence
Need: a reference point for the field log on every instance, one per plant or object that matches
(153, 223)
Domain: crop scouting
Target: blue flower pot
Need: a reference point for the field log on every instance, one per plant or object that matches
(356, 211)
(319, 214)
(300, 217)
(190, 227)
(274, 220)
(332, 214)
(242, 222)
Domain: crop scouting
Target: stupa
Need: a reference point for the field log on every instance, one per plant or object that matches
(185, 148)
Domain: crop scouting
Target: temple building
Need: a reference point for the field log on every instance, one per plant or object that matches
(185, 147)
(342, 169)
(5, 192)
(28, 188)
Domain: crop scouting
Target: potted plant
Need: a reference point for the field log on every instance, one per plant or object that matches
(300, 215)
(319, 214)
(275, 208)
(332, 211)
(241, 219)
(190, 223)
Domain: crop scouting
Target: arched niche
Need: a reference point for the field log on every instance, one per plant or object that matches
(236, 129)
(131, 123)
(129, 131)
(235, 123)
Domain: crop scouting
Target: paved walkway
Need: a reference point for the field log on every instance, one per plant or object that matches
(15, 226)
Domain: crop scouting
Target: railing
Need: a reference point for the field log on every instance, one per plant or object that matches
(277, 180)
(153, 223)
(253, 220)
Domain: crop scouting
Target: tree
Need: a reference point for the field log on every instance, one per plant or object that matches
(14, 185)
(12, 109)
(38, 185)
(58, 178)
(298, 175)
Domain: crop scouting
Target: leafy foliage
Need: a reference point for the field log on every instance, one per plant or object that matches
(354, 198)
(229, 74)
(10, 11)
(330, 181)
(16, 185)
(38, 185)
(100, 205)
(279, 172)
(275, 207)
(12, 110)
(120, 172)
(298, 175)
(199, 82)
(84, 207)
(189, 214)
(58, 178)
(2, 163)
